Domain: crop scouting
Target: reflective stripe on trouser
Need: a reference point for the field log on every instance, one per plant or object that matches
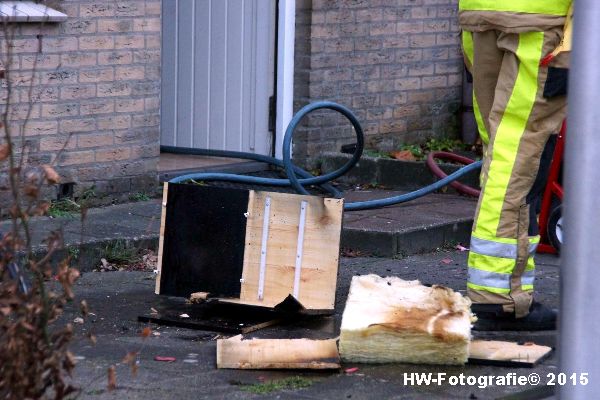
(508, 86)
(550, 7)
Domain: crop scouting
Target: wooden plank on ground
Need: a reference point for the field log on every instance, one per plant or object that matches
(507, 354)
(237, 353)
(320, 255)
(393, 320)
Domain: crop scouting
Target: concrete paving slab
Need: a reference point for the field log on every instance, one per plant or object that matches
(418, 226)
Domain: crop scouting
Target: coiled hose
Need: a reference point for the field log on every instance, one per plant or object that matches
(299, 178)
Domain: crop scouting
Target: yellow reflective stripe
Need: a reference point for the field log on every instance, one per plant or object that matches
(491, 263)
(511, 128)
(487, 289)
(467, 43)
(530, 264)
(526, 287)
(548, 7)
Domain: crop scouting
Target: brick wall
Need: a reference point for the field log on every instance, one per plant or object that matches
(96, 92)
(396, 63)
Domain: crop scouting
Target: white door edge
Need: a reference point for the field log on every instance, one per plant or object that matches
(285, 71)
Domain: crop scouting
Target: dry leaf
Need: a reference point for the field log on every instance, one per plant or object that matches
(42, 208)
(130, 357)
(83, 307)
(460, 247)
(112, 378)
(134, 369)
(447, 260)
(4, 152)
(31, 191)
(146, 332)
(51, 175)
(405, 155)
(92, 338)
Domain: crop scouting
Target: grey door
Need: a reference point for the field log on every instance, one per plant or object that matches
(217, 74)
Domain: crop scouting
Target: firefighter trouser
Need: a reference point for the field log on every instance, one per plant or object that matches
(514, 121)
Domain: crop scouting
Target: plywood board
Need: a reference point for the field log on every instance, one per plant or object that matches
(161, 237)
(237, 353)
(202, 235)
(320, 255)
(493, 352)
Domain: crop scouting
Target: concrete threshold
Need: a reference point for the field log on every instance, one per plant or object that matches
(418, 226)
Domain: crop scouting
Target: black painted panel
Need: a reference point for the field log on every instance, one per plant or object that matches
(203, 248)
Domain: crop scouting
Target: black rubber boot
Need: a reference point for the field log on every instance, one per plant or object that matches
(491, 317)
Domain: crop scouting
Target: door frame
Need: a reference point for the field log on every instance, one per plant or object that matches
(284, 89)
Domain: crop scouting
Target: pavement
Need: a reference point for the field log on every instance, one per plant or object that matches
(117, 298)
(419, 226)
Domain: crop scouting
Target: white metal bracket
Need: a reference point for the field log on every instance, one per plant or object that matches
(300, 248)
(263, 249)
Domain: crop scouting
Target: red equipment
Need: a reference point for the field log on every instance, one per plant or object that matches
(550, 219)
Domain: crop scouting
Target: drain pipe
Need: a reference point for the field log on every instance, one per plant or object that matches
(580, 277)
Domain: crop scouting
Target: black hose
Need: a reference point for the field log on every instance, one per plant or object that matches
(293, 171)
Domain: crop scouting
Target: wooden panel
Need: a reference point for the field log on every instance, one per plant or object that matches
(236, 353)
(320, 253)
(203, 240)
(508, 354)
(161, 237)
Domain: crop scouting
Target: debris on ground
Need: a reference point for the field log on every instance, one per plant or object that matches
(351, 253)
(106, 266)
(393, 320)
(198, 297)
(138, 260)
(507, 354)
(165, 359)
(405, 155)
(148, 261)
